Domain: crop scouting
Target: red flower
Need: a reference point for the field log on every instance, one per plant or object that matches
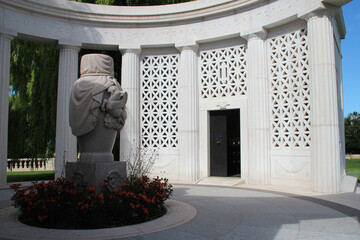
(41, 218)
(15, 186)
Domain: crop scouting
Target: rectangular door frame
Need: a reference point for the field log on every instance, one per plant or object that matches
(204, 132)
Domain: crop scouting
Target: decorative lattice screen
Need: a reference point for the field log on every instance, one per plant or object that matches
(159, 101)
(223, 72)
(290, 90)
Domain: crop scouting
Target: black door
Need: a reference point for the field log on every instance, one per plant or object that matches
(218, 144)
(225, 143)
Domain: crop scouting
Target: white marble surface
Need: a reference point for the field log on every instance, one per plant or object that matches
(130, 82)
(5, 45)
(65, 145)
(231, 35)
(90, 25)
(228, 213)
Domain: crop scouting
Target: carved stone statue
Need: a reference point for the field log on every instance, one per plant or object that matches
(97, 113)
(97, 108)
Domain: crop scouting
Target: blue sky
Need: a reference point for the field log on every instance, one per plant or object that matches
(350, 47)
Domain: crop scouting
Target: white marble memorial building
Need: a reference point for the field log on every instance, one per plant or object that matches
(233, 88)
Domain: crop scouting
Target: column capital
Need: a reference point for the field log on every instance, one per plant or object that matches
(7, 36)
(72, 47)
(259, 34)
(130, 49)
(184, 47)
(7, 33)
(326, 12)
(133, 51)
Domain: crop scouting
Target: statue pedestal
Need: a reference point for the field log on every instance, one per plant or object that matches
(91, 174)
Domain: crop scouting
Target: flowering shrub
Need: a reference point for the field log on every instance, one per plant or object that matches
(60, 204)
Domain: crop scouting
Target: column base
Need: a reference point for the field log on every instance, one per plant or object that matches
(349, 183)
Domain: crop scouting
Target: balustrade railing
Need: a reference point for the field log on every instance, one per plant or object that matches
(28, 164)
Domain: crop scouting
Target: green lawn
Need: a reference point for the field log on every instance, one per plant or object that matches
(353, 167)
(30, 176)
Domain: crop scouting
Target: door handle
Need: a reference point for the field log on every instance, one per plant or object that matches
(218, 142)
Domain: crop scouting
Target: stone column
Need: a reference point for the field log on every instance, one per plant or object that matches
(258, 116)
(65, 141)
(5, 46)
(130, 82)
(188, 113)
(325, 138)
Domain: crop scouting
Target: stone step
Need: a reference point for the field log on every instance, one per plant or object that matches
(221, 181)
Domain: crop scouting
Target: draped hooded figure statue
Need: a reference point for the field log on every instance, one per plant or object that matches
(97, 108)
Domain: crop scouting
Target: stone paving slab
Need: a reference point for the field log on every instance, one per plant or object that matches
(240, 213)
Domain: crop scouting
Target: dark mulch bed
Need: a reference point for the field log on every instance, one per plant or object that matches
(70, 224)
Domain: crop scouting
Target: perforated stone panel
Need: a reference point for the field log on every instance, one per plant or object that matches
(223, 72)
(290, 90)
(159, 101)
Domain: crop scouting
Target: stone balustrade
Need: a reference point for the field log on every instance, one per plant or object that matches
(28, 164)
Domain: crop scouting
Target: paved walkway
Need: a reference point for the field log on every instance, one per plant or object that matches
(244, 213)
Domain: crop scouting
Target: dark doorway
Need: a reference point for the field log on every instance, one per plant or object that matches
(225, 143)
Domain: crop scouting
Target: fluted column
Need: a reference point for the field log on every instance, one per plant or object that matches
(188, 114)
(65, 141)
(258, 116)
(130, 82)
(5, 46)
(325, 139)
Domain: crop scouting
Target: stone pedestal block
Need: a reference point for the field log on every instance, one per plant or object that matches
(91, 174)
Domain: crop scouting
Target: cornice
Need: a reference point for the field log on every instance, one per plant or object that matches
(69, 10)
(337, 3)
(179, 25)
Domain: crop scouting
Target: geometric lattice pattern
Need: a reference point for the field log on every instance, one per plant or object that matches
(159, 101)
(290, 97)
(223, 72)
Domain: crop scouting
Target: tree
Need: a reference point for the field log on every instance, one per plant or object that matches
(352, 133)
(32, 101)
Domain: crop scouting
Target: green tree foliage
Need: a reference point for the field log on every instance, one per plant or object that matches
(352, 133)
(32, 101)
